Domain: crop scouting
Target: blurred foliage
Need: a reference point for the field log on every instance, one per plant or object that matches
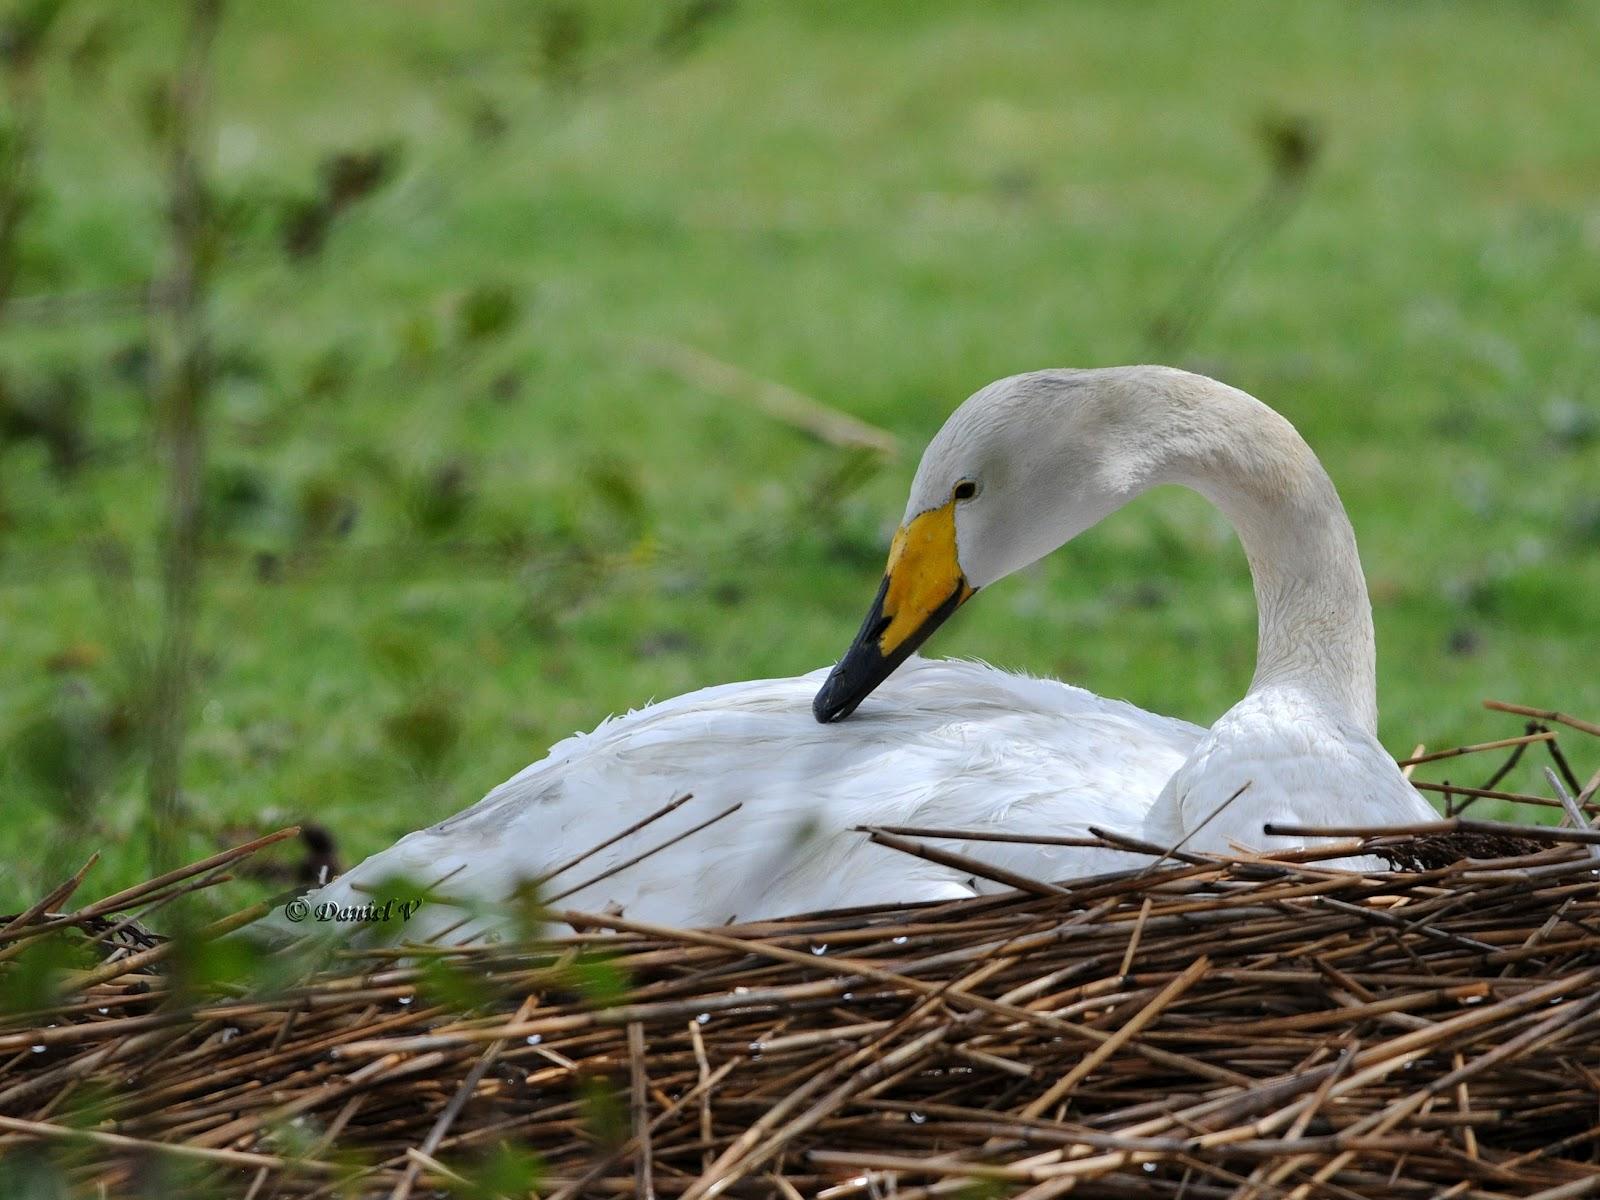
(599, 980)
(32, 981)
(30, 1173)
(605, 1110)
(507, 1170)
(453, 516)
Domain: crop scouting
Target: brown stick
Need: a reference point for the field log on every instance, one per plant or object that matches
(1523, 740)
(120, 900)
(639, 1103)
(775, 399)
(234, 1158)
(1093, 1060)
(1545, 714)
(52, 900)
(1537, 833)
(964, 862)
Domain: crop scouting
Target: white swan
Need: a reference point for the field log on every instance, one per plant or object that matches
(1022, 467)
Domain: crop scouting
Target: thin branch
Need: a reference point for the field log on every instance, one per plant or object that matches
(182, 345)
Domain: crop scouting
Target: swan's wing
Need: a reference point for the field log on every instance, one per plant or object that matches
(948, 744)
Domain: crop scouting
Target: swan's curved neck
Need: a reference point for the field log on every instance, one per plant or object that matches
(1314, 620)
(1314, 617)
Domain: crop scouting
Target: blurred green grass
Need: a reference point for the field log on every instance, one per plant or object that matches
(457, 515)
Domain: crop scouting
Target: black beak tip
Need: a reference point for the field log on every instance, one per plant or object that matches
(833, 701)
(864, 666)
(851, 681)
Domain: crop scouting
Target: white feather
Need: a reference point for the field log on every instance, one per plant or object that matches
(950, 744)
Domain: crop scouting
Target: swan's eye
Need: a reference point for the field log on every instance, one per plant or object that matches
(966, 489)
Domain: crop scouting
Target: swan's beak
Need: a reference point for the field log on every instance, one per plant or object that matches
(922, 586)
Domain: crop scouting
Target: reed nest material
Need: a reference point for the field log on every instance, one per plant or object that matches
(1203, 1027)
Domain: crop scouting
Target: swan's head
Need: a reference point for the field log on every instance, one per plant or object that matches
(1023, 466)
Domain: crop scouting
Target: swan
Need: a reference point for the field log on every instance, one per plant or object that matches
(1020, 468)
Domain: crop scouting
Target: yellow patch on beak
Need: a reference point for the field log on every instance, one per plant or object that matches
(923, 575)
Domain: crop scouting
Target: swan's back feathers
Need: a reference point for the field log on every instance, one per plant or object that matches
(952, 744)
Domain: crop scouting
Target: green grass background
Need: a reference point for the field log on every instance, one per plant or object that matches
(435, 551)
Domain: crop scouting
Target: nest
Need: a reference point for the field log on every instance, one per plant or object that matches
(1202, 1027)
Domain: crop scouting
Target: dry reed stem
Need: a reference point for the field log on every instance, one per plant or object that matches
(777, 400)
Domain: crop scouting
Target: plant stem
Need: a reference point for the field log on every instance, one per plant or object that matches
(182, 349)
